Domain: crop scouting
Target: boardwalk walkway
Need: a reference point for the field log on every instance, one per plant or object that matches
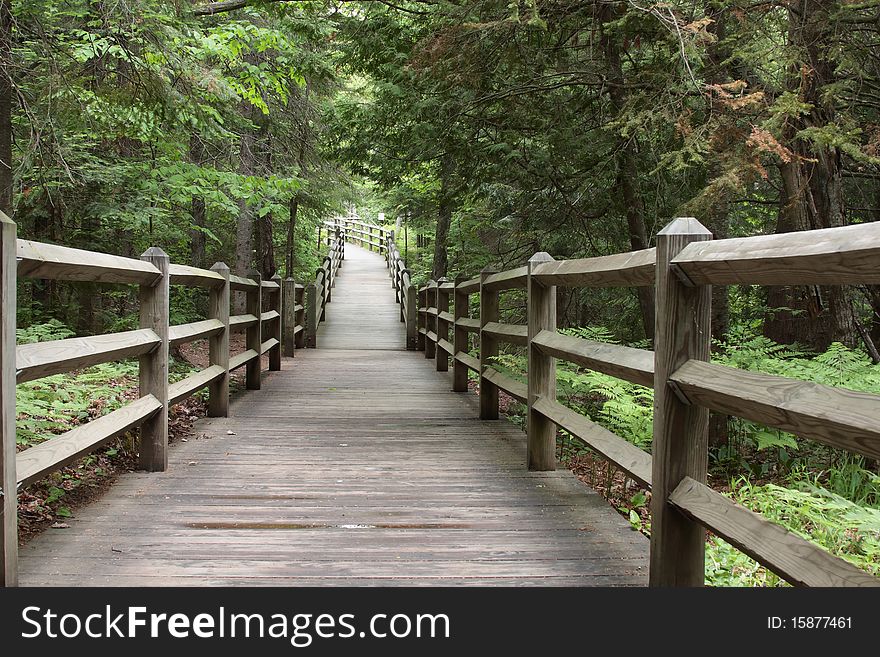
(355, 464)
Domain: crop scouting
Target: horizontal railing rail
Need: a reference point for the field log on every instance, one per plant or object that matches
(320, 292)
(681, 269)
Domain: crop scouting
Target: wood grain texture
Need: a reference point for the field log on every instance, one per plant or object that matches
(254, 334)
(828, 256)
(195, 277)
(184, 333)
(488, 347)
(218, 344)
(796, 560)
(8, 356)
(153, 365)
(62, 263)
(631, 269)
(242, 322)
(185, 388)
(442, 322)
(681, 441)
(628, 457)
(541, 371)
(512, 387)
(36, 462)
(506, 280)
(241, 283)
(635, 365)
(834, 416)
(34, 361)
(468, 324)
(468, 361)
(266, 345)
(289, 309)
(470, 286)
(243, 358)
(512, 333)
(460, 338)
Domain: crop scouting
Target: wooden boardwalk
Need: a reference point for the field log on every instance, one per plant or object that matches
(355, 464)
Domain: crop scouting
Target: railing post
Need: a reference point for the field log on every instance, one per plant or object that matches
(254, 339)
(412, 310)
(311, 327)
(421, 324)
(488, 348)
(276, 304)
(461, 308)
(430, 299)
(681, 430)
(442, 360)
(403, 291)
(541, 370)
(154, 366)
(324, 297)
(218, 344)
(299, 317)
(8, 479)
(288, 314)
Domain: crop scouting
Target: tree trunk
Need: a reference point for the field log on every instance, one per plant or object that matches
(197, 209)
(444, 218)
(812, 186)
(6, 93)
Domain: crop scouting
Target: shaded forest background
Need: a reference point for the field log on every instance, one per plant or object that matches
(485, 131)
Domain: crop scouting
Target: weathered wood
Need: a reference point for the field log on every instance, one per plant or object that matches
(431, 321)
(505, 280)
(300, 317)
(242, 284)
(193, 276)
(243, 358)
(460, 340)
(631, 269)
(267, 345)
(411, 321)
(271, 285)
(829, 256)
(312, 315)
(512, 387)
(289, 309)
(241, 322)
(8, 501)
(541, 368)
(840, 418)
(421, 319)
(40, 460)
(634, 365)
(470, 286)
(184, 333)
(185, 388)
(796, 560)
(512, 333)
(34, 361)
(468, 324)
(442, 320)
(488, 346)
(218, 344)
(269, 315)
(275, 325)
(41, 260)
(681, 443)
(254, 335)
(154, 309)
(468, 361)
(635, 462)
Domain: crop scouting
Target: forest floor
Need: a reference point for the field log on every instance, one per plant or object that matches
(47, 504)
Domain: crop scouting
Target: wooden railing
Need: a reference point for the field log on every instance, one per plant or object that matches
(686, 385)
(274, 314)
(320, 292)
(369, 236)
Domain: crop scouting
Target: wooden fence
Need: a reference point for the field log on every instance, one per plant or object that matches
(320, 292)
(274, 317)
(686, 385)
